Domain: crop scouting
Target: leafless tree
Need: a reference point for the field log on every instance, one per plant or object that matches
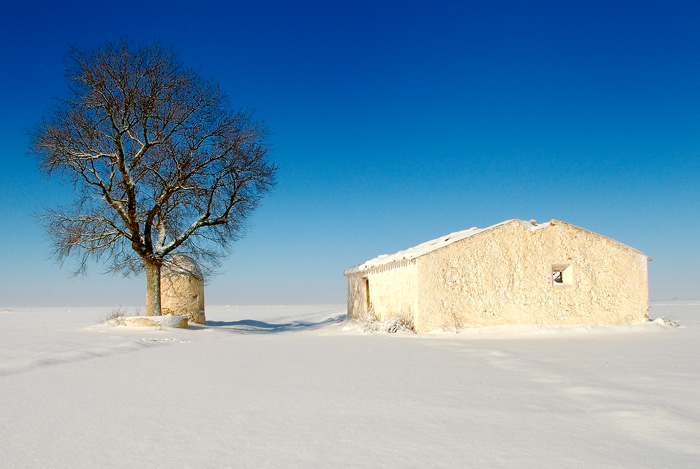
(158, 159)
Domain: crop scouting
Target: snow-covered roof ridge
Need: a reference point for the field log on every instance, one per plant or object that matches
(428, 246)
(437, 243)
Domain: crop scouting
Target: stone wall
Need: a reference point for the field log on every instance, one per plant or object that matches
(392, 292)
(505, 276)
(182, 289)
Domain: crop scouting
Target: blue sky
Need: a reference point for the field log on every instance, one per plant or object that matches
(393, 123)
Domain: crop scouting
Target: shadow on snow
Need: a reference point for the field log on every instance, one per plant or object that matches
(251, 326)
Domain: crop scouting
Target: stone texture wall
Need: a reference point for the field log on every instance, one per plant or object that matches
(182, 289)
(504, 276)
(392, 292)
(183, 295)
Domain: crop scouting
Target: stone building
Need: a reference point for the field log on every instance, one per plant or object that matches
(182, 289)
(515, 272)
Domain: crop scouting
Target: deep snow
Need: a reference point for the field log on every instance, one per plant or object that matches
(293, 386)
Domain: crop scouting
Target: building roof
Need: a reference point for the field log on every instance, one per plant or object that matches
(437, 243)
(180, 264)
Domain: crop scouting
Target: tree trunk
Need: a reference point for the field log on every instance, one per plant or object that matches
(152, 288)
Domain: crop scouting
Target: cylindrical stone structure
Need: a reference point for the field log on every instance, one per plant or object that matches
(182, 288)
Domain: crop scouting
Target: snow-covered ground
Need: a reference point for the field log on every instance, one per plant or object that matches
(293, 386)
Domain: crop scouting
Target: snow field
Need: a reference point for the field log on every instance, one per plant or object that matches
(292, 386)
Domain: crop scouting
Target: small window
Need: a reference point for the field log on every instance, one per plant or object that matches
(561, 274)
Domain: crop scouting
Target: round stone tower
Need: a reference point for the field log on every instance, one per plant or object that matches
(182, 288)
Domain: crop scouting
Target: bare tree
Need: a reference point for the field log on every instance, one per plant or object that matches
(158, 159)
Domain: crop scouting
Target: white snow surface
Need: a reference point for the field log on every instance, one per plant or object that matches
(432, 245)
(296, 386)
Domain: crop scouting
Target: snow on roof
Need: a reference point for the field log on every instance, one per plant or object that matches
(180, 264)
(430, 246)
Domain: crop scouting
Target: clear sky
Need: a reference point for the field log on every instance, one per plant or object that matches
(394, 122)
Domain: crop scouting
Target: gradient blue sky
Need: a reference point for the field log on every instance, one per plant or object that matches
(394, 122)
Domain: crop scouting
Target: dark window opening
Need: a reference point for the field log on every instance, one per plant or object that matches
(562, 274)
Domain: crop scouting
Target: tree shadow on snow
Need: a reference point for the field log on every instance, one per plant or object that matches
(251, 326)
